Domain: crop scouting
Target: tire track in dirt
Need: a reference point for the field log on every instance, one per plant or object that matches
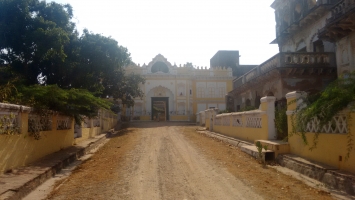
(170, 168)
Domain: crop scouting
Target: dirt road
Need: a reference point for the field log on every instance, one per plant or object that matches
(159, 160)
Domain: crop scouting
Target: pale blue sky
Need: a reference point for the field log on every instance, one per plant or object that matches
(182, 30)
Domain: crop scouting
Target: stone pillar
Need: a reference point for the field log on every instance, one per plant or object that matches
(212, 116)
(268, 105)
(291, 107)
(292, 96)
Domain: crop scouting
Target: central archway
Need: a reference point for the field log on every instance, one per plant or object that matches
(160, 108)
(159, 101)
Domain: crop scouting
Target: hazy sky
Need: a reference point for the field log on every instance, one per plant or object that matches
(182, 30)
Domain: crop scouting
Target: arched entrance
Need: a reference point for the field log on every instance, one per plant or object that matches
(159, 101)
(160, 108)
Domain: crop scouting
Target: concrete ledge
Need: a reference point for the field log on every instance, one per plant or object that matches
(21, 181)
(253, 151)
(229, 140)
(330, 176)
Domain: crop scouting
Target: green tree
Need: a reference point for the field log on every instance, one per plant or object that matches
(40, 45)
(33, 35)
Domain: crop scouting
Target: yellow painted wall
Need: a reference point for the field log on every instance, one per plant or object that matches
(87, 133)
(20, 150)
(145, 118)
(179, 117)
(16, 151)
(107, 123)
(244, 133)
(329, 148)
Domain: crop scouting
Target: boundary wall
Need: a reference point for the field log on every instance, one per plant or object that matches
(332, 142)
(249, 125)
(57, 132)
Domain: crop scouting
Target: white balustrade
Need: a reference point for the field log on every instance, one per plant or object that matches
(218, 121)
(253, 119)
(226, 120)
(64, 123)
(253, 122)
(338, 124)
(38, 123)
(237, 121)
(96, 122)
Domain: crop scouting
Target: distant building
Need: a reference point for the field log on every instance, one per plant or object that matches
(308, 34)
(230, 59)
(177, 93)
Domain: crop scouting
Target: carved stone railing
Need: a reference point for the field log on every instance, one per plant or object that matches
(340, 9)
(9, 122)
(218, 121)
(38, 123)
(288, 59)
(226, 121)
(237, 121)
(252, 119)
(64, 123)
(305, 16)
(253, 122)
(86, 123)
(96, 122)
(338, 124)
(251, 74)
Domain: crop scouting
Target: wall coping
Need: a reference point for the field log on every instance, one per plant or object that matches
(294, 94)
(14, 107)
(251, 112)
(267, 99)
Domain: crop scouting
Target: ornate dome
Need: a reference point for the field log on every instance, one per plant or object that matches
(160, 67)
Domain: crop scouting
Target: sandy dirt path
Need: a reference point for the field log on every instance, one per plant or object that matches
(159, 160)
(169, 167)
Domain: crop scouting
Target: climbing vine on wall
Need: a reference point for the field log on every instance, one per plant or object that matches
(8, 125)
(41, 121)
(281, 123)
(323, 107)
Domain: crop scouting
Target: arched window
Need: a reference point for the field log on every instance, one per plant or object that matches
(160, 67)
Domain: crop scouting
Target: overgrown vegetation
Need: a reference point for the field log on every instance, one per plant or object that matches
(281, 123)
(260, 148)
(337, 96)
(223, 111)
(6, 125)
(46, 64)
(247, 108)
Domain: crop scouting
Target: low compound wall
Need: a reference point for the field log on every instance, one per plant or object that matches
(249, 126)
(56, 132)
(332, 141)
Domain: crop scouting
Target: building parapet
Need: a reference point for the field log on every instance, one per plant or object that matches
(341, 21)
(287, 60)
(299, 15)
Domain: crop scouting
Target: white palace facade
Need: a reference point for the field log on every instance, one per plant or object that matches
(173, 93)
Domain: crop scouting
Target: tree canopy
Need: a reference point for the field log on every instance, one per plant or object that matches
(40, 47)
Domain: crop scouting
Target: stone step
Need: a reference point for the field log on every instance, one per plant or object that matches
(277, 146)
(268, 155)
